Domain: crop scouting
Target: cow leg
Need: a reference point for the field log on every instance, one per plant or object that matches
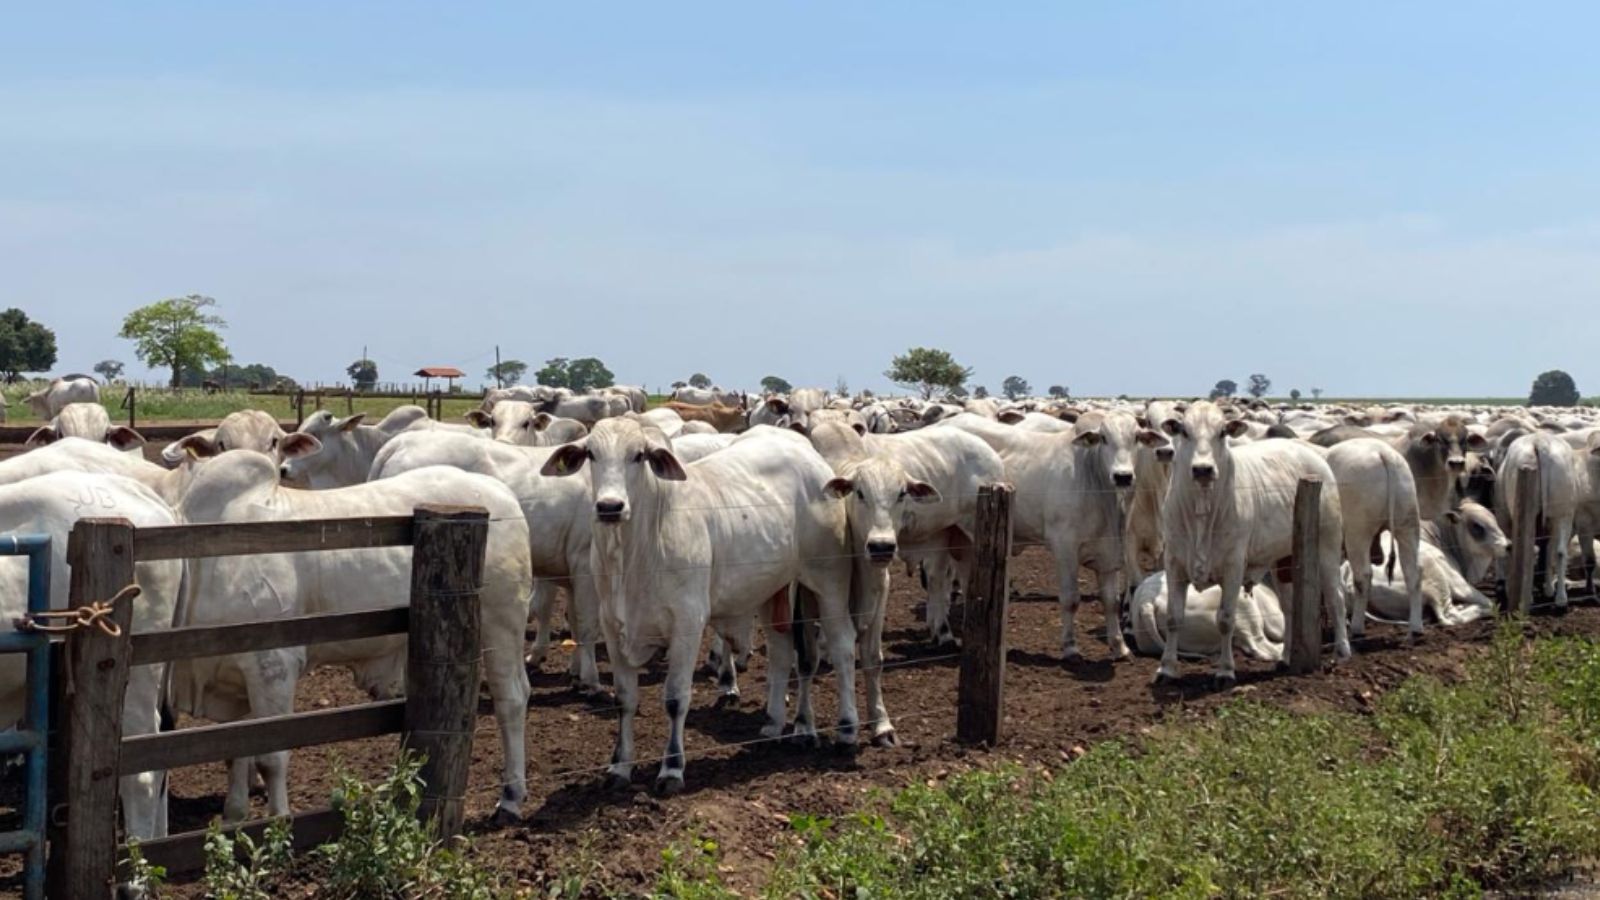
(1067, 577)
(1333, 600)
(1355, 550)
(1227, 614)
(269, 681)
(1586, 550)
(236, 808)
(874, 585)
(625, 678)
(682, 652)
(807, 661)
(1111, 599)
(724, 650)
(1408, 539)
(585, 614)
(840, 628)
(508, 689)
(780, 663)
(941, 582)
(1560, 538)
(1177, 597)
(541, 609)
(143, 803)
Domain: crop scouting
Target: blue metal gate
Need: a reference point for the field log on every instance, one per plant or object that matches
(33, 736)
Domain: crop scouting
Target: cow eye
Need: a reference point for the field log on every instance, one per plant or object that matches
(221, 447)
(273, 445)
(526, 425)
(1476, 531)
(860, 495)
(639, 457)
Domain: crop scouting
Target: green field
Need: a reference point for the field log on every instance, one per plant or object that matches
(196, 406)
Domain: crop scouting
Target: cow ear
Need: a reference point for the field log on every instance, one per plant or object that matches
(666, 466)
(778, 405)
(542, 421)
(477, 418)
(294, 446)
(1152, 438)
(1088, 439)
(124, 438)
(1144, 421)
(1173, 427)
(1236, 428)
(839, 488)
(1069, 415)
(567, 460)
(922, 492)
(1477, 443)
(43, 436)
(1429, 439)
(349, 423)
(1009, 416)
(1453, 517)
(860, 428)
(798, 428)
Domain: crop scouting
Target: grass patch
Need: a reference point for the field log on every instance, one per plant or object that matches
(197, 406)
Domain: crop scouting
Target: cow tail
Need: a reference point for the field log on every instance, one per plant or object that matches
(800, 627)
(1394, 541)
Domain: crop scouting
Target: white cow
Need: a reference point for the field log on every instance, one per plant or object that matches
(245, 429)
(1259, 635)
(91, 422)
(1229, 516)
(1377, 491)
(694, 447)
(1071, 491)
(1563, 480)
(51, 504)
(79, 455)
(1585, 444)
(242, 486)
(638, 398)
(520, 422)
(343, 450)
(48, 401)
(1458, 551)
(558, 512)
(678, 548)
(707, 396)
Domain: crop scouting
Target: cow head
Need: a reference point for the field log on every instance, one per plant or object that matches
(1201, 452)
(1449, 441)
(1110, 440)
(625, 463)
(512, 422)
(1475, 540)
(298, 453)
(879, 495)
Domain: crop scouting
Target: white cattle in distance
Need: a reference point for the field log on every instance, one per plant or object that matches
(1458, 550)
(1259, 635)
(678, 548)
(638, 399)
(558, 512)
(243, 486)
(51, 504)
(706, 396)
(48, 402)
(1229, 516)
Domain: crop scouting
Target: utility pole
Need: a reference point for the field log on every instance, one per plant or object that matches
(497, 382)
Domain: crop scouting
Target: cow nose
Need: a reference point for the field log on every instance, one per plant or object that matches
(283, 472)
(1122, 479)
(1203, 471)
(880, 551)
(1164, 454)
(608, 510)
(1456, 464)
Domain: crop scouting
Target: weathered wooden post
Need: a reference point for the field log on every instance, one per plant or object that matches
(1305, 606)
(1524, 544)
(980, 693)
(299, 407)
(443, 653)
(100, 554)
(350, 401)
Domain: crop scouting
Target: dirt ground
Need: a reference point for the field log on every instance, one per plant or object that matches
(740, 790)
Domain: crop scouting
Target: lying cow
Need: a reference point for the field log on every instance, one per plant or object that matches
(243, 486)
(1259, 635)
(1458, 551)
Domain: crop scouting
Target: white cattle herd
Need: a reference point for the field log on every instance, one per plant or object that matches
(718, 513)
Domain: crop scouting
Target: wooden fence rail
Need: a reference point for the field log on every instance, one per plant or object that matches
(436, 716)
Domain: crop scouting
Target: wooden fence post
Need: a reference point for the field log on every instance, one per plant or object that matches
(1524, 544)
(100, 554)
(299, 407)
(980, 693)
(443, 652)
(1305, 605)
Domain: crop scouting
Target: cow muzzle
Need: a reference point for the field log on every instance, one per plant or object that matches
(1122, 479)
(1204, 473)
(609, 511)
(1456, 464)
(881, 552)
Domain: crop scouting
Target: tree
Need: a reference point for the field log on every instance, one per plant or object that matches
(772, 384)
(1059, 391)
(927, 370)
(1259, 385)
(1295, 395)
(1227, 387)
(176, 334)
(1553, 388)
(679, 385)
(554, 373)
(1316, 393)
(109, 369)
(959, 392)
(699, 380)
(229, 375)
(508, 372)
(589, 373)
(364, 373)
(25, 345)
(1015, 386)
(841, 387)
(980, 393)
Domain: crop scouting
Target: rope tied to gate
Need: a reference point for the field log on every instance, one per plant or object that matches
(92, 615)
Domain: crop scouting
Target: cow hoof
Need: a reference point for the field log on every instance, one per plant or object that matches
(669, 785)
(886, 739)
(846, 750)
(807, 739)
(617, 783)
(1162, 679)
(1071, 654)
(504, 818)
(725, 701)
(1223, 682)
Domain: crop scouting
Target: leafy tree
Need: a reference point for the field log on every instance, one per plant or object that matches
(508, 372)
(25, 345)
(772, 384)
(109, 369)
(1259, 385)
(959, 392)
(1227, 387)
(699, 380)
(980, 392)
(1295, 395)
(233, 376)
(1059, 391)
(1553, 388)
(176, 333)
(554, 373)
(364, 373)
(927, 370)
(841, 387)
(679, 385)
(1316, 393)
(588, 373)
(1016, 386)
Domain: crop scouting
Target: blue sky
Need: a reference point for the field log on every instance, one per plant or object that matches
(1373, 198)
